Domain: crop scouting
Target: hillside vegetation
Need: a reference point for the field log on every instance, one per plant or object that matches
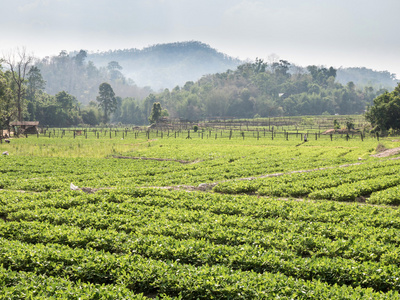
(258, 89)
(366, 77)
(81, 78)
(197, 83)
(167, 65)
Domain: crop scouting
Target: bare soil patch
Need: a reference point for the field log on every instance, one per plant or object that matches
(388, 152)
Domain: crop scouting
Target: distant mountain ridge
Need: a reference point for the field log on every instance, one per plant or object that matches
(173, 64)
(367, 77)
(167, 65)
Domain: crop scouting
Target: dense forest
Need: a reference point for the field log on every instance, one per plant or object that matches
(66, 90)
(168, 65)
(60, 90)
(81, 78)
(258, 89)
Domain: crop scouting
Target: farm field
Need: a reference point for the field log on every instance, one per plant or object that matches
(209, 215)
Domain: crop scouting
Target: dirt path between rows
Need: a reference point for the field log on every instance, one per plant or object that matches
(156, 159)
(210, 186)
(388, 152)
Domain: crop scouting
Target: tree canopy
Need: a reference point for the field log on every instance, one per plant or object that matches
(71, 72)
(261, 89)
(385, 112)
(265, 90)
(107, 100)
(155, 113)
(19, 62)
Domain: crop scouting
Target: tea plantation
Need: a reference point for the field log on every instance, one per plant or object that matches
(213, 216)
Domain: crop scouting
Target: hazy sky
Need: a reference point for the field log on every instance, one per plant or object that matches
(361, 33)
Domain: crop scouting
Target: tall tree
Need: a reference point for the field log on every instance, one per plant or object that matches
(7, 107)
(107, 100)
(155, 113)
(18, 62)
(80, 57)
(35, 82)
(35, 86)
(114, 69)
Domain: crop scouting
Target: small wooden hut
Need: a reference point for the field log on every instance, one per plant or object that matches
(25, 127)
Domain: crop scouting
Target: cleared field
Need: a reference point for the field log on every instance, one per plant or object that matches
(198, 218)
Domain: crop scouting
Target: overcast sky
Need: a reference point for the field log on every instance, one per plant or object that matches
(347, 33)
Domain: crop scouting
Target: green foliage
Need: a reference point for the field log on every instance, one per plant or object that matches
(81, 78)
(254, 88)
(389, 196)
(349, 123)
(130, 240)
(18, 62)
(222, 245)
(321, 75)
(35, 89)
(59, 110)
(7, 99)
(336, 124)
(29, 285)
(307, 121)
(107, 100)
(34, 104)
(155, 113)
(66, 101)
(129, 112)
(91, 116)
(385, 113)
(35, 83)
(342, 184)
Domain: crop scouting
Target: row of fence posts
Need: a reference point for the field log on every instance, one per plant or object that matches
(256, 134)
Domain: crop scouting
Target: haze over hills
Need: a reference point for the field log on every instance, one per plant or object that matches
(366, 77)
(137, 73)
(194, 81)
(167, 65)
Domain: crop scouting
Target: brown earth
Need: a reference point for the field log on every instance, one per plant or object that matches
(388, 152)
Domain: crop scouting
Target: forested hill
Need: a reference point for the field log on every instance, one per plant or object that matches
(367, 77)
(167, 65)
(259, 89)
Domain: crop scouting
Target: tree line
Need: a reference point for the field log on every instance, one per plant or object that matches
(384, 114)
(62, 90)
(258, 89)
(90, 95)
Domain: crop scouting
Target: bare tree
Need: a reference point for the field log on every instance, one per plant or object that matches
(18, 61)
